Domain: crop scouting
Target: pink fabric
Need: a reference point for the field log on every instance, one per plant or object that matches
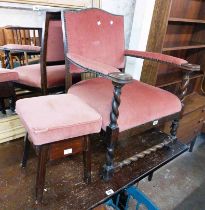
(19, 47)
(91, 64)
(156, 56)
(31, 75)
(96, 35)
(8, 75)
(57, 117)
(75, 70)
(55, 47)
(140, 103)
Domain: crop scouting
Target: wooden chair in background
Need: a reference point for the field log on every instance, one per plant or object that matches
(22, 44)
(49, 75)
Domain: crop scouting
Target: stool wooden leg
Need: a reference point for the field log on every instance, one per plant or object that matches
(41, 172)
(150, 177)
(2, 106)
(192, 144)
(26, 151)
(12, 103)
(87, 160)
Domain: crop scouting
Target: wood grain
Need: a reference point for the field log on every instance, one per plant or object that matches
(156, 39)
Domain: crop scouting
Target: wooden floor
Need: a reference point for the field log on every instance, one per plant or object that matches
(10, 127)
(65, 188)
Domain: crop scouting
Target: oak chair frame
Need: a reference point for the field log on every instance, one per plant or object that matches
(112, 134)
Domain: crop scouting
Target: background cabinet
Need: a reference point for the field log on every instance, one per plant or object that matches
(178, 29)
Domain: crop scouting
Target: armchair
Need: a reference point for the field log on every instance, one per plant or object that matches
(94, 41)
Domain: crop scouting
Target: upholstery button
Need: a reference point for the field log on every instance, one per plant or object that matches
(99, 22)
(111, 22)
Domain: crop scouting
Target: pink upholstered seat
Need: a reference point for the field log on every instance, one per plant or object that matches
(8, 75)
(57, 117)
(19, 47)
(140, 103)
(31, 75)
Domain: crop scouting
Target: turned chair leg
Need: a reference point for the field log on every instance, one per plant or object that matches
(87, 160)
(112, 132)
(2, 106)
(41, 172)
(192, 144)
(108, 168)
(26, 151)
(174, 128)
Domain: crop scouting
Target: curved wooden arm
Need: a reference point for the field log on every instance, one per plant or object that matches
(101, 69)
(162, 58)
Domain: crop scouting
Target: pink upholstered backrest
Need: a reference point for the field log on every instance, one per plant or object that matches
(55, 47)
(97, 35)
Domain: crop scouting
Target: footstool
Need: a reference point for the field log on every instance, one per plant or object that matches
(57, 126)
(7, 88)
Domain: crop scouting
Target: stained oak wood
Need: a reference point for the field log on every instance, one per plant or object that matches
(174, 77)
(193, 102)
(192, 121)
(173, 19)
(193, 9)
(75, 145)
(156, 39)
(196, 118)
(203, 128)
(181, 35)
(169, 46)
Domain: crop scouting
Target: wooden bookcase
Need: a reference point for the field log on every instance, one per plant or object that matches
(178, 29)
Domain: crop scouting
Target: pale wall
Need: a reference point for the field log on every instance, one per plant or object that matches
(139, 34)
(20, 17)
(122, 7)
(137, 13)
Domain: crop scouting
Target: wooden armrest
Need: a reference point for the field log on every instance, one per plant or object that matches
(22, 28)
(162, 58)
(101, 69)
(20, 48)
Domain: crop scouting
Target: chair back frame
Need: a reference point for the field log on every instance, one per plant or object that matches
(48, 17)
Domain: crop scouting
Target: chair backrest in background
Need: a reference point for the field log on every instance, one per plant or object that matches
(55, 48)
